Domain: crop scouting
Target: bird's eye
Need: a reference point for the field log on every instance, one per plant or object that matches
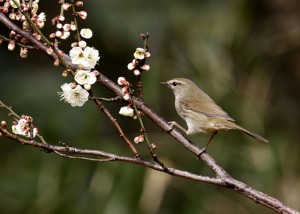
(174, 83)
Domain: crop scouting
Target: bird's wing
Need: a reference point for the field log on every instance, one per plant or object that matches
(208, 108)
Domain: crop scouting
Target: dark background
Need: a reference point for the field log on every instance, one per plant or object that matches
(244, 54)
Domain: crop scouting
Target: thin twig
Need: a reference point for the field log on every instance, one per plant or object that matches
(143, 129)
(17, 43)
(80, 157)
(116, 124)
(113, 99)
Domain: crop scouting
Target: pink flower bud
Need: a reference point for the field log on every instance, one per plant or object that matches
(59, 25)
(145, 67)
(61, 18)
(82, 14)
(3, 123)
(147, 54)
(11, 45)
(126, 96)
(58, 33)
(49, 50)
(23, 52)
(139, 139)
(66, 6)
(136, 72)
(122, 81)
(130, 66)
(79, 3)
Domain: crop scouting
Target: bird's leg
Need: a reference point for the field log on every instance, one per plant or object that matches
(205, 147)
(211, 137)
(173, 123)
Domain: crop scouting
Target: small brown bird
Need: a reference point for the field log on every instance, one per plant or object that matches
(200, 112)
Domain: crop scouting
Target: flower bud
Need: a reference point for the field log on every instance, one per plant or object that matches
(122, 81)
(146, 67)
(23, 52)
(82, 44)
(11, 45)
(82, 14)
(139, 139)
(126, 96)
(3, 124)
(136, 72)
(126, 111)
(130, 66)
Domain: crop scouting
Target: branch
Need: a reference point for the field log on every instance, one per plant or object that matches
(222, 178)
(59, 150)
(116, 124)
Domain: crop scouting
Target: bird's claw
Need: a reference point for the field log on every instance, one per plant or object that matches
(203, 150)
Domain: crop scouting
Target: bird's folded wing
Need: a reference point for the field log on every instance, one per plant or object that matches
(209, 109)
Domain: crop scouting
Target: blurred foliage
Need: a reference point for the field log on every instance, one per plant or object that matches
(244, 54)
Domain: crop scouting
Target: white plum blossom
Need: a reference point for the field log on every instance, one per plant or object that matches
(76, 96)
(86, 33)
(77, 55)
(86, 58)
(66, 91)
(92, 57)
(139, 53)
(83, 77)
(126, 111)
(23, 127)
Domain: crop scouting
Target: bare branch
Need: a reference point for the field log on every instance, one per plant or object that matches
(111, 157)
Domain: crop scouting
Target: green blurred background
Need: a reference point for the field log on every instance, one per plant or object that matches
(244, 54)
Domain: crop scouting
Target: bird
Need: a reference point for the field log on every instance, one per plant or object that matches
(200, 112)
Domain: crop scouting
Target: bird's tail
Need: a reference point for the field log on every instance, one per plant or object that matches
(258, 137)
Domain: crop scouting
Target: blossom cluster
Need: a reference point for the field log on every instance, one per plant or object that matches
(13, 8)
(63, 30)
(24, 127)
(138, 63)
(81, 55)
(85, 58)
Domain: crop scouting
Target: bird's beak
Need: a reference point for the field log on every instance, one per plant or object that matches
(164, 83)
